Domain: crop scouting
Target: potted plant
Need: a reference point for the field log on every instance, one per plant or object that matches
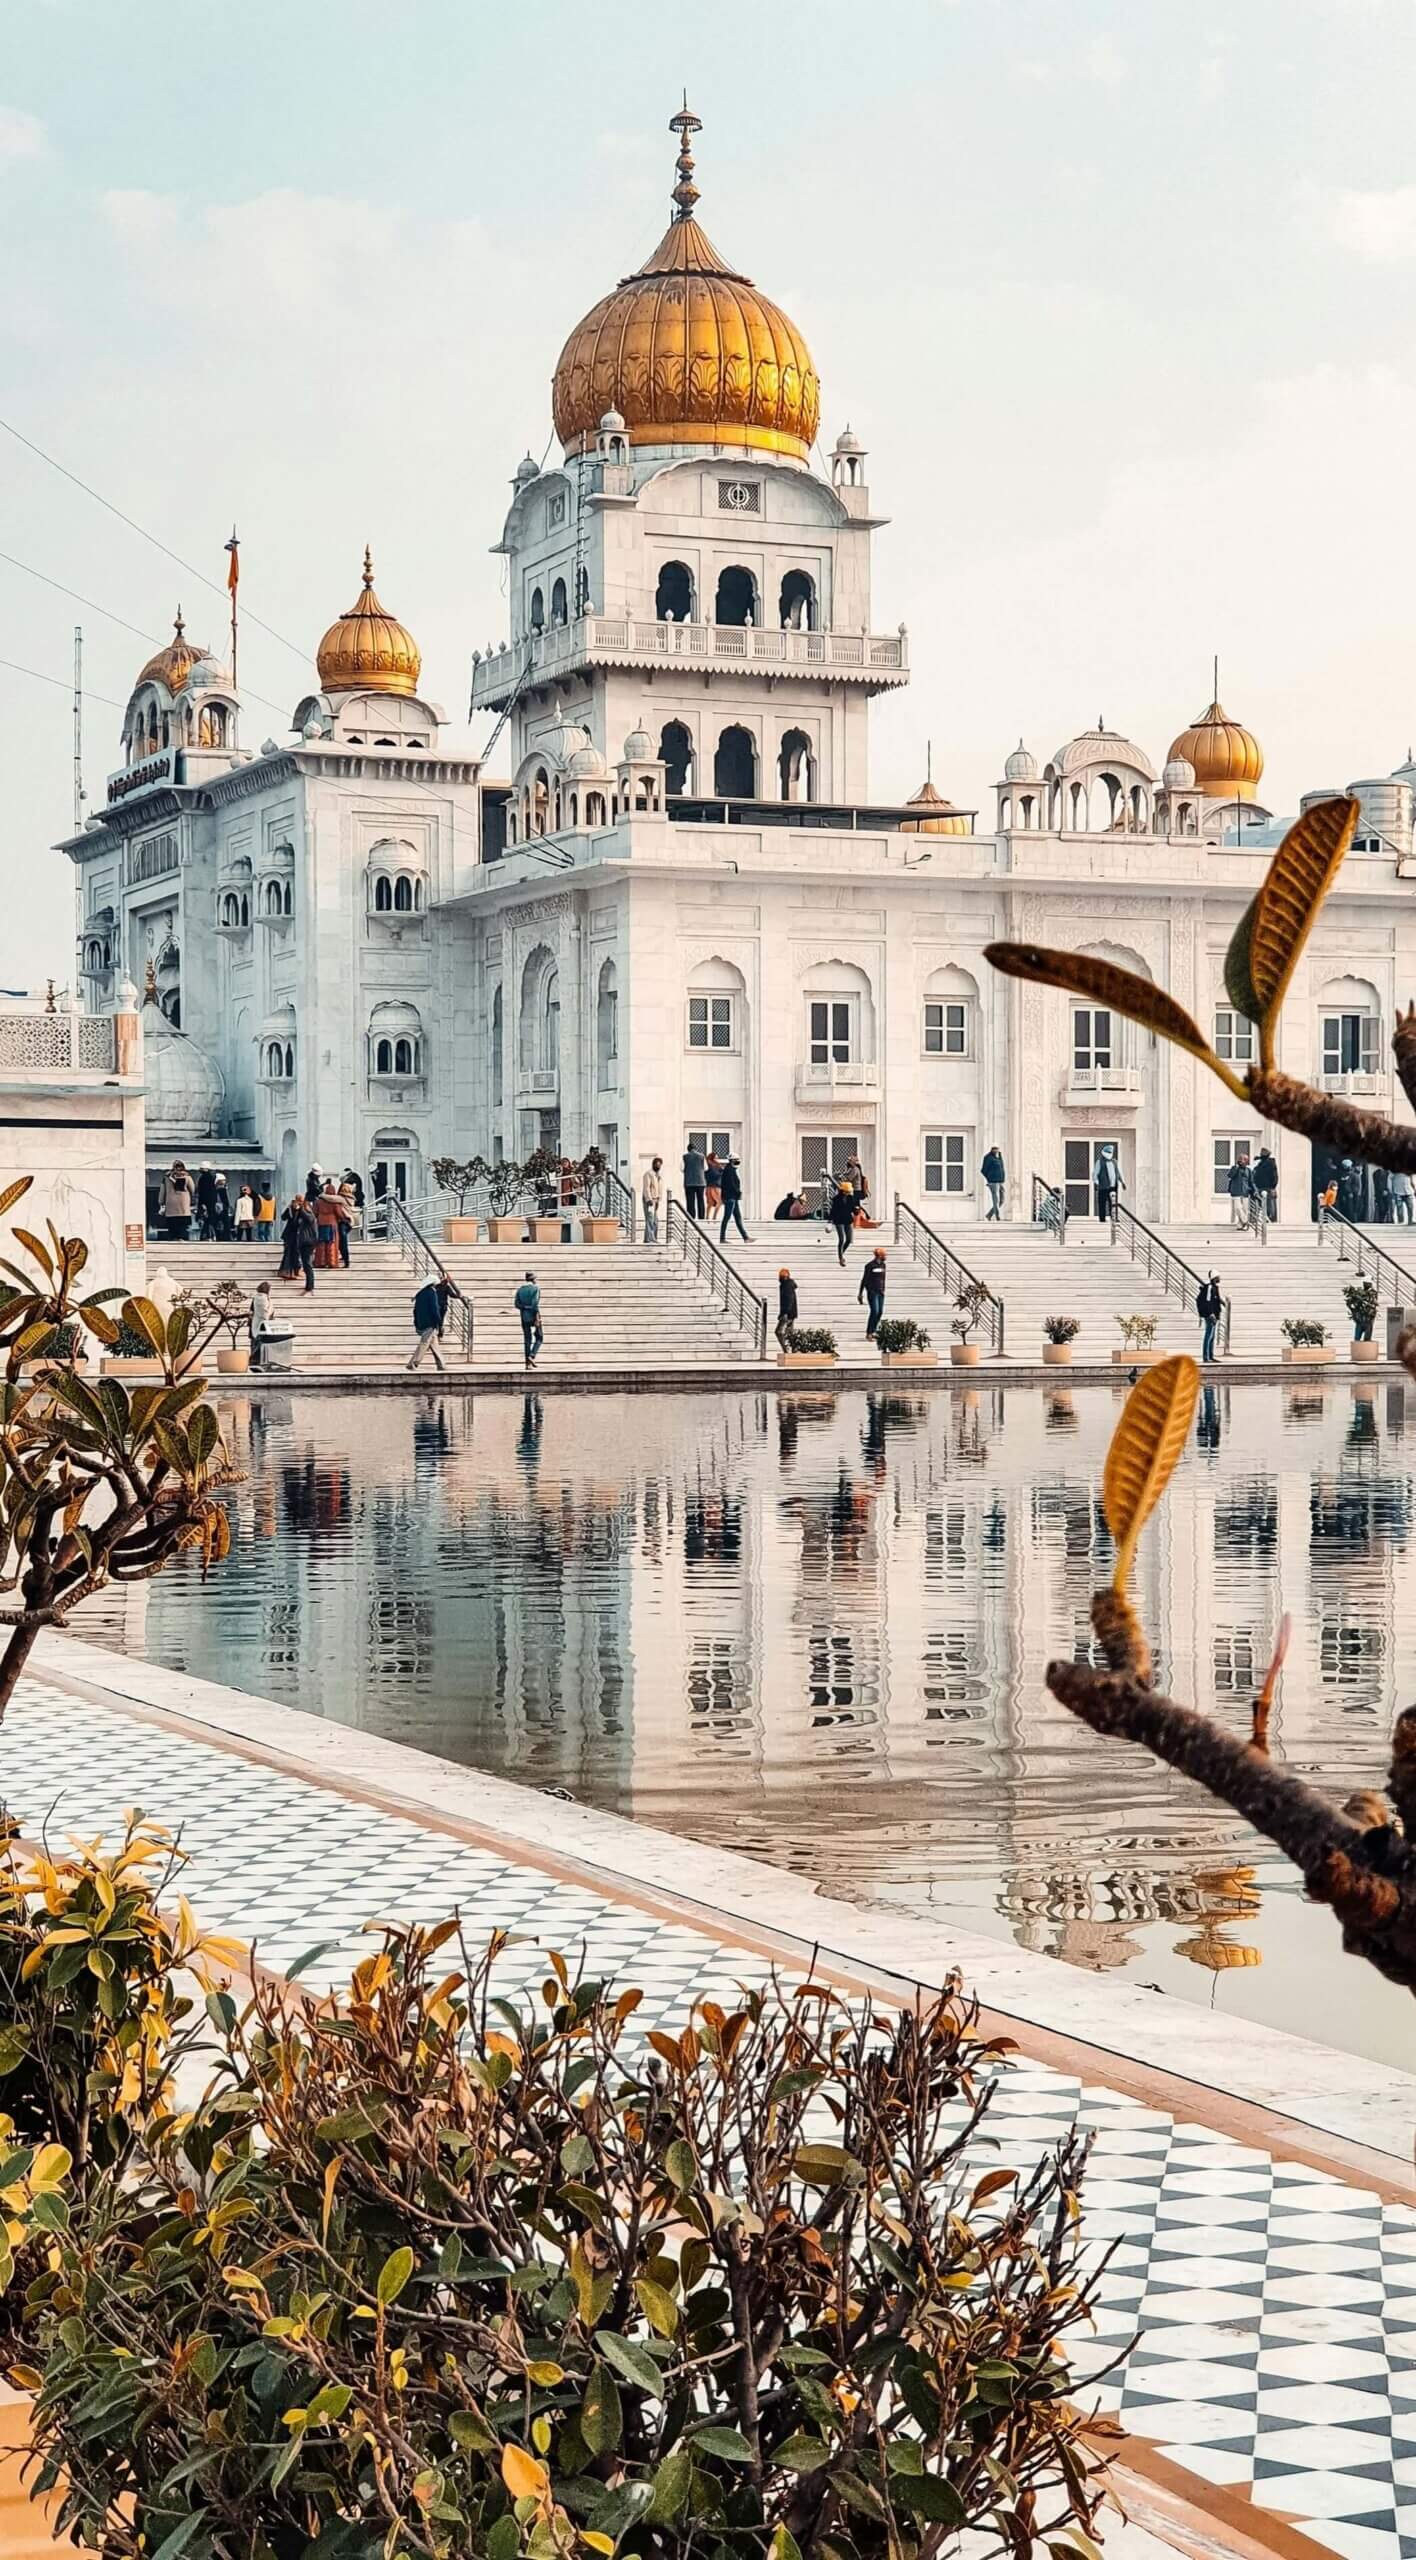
(541, 1177)
(1307, 1340)
(972, 1301)
(903, 1344)
(460, 1181)
(504, 1186)
(1059, 1334)
(230, 1311)
(1138, 1349)
(132, 1354)
(813, 1347)
(1360, 1297)
(598, 1222)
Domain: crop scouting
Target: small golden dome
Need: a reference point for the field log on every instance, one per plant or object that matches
(172, 666)
(688, 350)
(1227, 758)
(937, 816)
(366, 651)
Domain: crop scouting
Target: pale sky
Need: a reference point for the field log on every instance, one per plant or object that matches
(1118, 294)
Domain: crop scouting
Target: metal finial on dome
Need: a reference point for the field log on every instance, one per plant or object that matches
(368, 566)
(179, 627)
(150, 983)
(685, 194)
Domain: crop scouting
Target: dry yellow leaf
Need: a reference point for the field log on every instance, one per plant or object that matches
(1145, 1445)
(1119, 989)
(522, 2475)
(1297, 881)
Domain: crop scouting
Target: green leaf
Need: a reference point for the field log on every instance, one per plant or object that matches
(726, 2442)
(932, 2496)
(394, 2275)
(143, 1316)
(802, 2452)
(659, 2306)
(469, 2431)
(681, 2164)
(823, 2162)
(331, 2402)
(783, 2545)
(672, 2483)
(178, 2540)
(504, 2540)
(601, 2416)
(636, 2365)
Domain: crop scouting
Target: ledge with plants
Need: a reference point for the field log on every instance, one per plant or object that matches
(1307, 1341)
(1138, 1349)
(970, 1307)
(812, 1347)
(904, 1344)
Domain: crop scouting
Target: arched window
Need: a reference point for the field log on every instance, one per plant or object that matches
(559, 608)
(403, 894)
(673, 596)
(537, 977)
(383, 1057)
(676, 757)
(595, 809)
(736, 602)
(540, 801)
(383, 894)
(735, 765)
(796, 606)
(538, 610)
(290, 1057)
(287, 902)
(497, 1017)
(607, 1023)
(420, 899)
(166, 729)
(551, 1021)
(840, 1016)
(245, 909)
(796, 770)
(403, 1056)
(273, 904)
(152, 728)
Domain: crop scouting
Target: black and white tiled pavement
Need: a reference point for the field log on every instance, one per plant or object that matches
(1272, 2307)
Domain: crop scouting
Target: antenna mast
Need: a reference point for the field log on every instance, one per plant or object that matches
(78, 727)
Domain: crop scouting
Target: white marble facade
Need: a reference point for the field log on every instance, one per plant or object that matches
(681, 911)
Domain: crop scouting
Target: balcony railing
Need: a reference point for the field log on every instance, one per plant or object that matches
(42, 1043)
(1354, 1080)
(873, 658)
(1121, 1083)
(816, 1076)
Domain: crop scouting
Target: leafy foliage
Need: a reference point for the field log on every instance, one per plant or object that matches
(226, 1308)
(1361, 1300)
(971, 1306)
(1304, 1332)
(458, 1179)
(1145, 1449)
(1138, 1332)
(1061, 1328)
(815, 1337)
(900, 1333)
(426, 2272)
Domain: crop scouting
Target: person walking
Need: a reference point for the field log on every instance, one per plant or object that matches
(872, 1290)
(429, 1317)
(713, 1181)
(694, 1167)
(787, 1309)
(527, 1303)
(265, 1214)
(177, 1203)
(1402, 1199)
(1241, 1190)
(1209, 1307)
(206, 1204)
(1266, 1186)
(855, 1175)
(1108, 1182)
(651, 1193)
(842, 1217)
(995, 1174)
(245, 1219)
(730, 1190)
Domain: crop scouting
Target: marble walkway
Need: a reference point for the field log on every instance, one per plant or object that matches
(1267, 2278)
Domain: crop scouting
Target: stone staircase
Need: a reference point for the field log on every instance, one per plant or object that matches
(1284, 1271)
(616, 1307)
(1088, 1277)
(826, 1293)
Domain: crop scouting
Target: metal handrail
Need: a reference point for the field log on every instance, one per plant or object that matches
(1384, 1266)
(618, 1191)
(708, 1263)
(1177, 1277)
(1049, 1207)
(943, 1264)
(415, 1248)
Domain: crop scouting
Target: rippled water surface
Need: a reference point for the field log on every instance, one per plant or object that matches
(813, 1627)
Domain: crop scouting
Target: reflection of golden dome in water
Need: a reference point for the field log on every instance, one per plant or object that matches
(688, 350)
(1218, 1954)
(367, 650)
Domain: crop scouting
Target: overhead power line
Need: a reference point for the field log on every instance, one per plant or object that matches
(65, 683)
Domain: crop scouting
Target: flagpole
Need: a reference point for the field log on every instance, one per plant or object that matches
(233, 578)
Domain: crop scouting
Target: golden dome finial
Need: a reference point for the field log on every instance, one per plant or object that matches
(685, 193)
(368, 650)
(368, 568)
(179, 627)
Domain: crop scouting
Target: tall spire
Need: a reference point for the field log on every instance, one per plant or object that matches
(368, 568)
(685, 194)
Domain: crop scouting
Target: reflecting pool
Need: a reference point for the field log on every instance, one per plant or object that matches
(813, 1627)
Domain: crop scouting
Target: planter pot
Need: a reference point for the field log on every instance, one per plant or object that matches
(1303, 1357)
(546, 1230)
(1365, 1350)
(1139, 1359)
(914, 1359)
(233, 1362)
(806, 1359)
(114, 1367)
(24, 2528)
(1057, 1355)
(600, 1230)
(965, 1355)
(460, 1230)
(507, 1230)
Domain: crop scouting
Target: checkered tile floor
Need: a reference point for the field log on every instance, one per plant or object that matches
(1274, 2308)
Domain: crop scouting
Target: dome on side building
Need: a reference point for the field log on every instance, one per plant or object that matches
(184, 1090)
(1227, 757)
(367, 650)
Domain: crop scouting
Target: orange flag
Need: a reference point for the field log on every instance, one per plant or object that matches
(233, 573)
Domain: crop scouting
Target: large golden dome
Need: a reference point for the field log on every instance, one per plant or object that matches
(688, 350)
(933, 815)
(171, 666)
(1227, 758)
(366, 650)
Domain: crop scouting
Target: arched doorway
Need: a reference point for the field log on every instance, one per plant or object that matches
(736, 602)
(735, 765)
(676, 757)
(673, 597)
(796, 774)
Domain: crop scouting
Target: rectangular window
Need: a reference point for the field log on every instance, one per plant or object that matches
(710, 1022)
(829, 1031)
(1233, 1036)
(1350, 1044)
(1227, 1153)
(1091, 1038)
(946, 1030)
(944, 1161)
(712, 1142)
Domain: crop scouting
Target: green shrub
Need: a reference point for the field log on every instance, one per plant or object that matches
(430, 2273)
(1304, 1332)
(971, 1304)
(814, 1337)
(900, 1333)
(1138, 1332)
(1360, 1299)
(1061, 1328)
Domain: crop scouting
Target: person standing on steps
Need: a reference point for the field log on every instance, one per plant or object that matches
(651, 1194)
(206, 1204)
(177, 1203)
(995, 1174)
(730, 1188)
(1266, 1186)
(1108, 1182)
(1241, 1189)
(1209, 1307)
(872, 1291)
(314, 1182)
(245, 1213)
(265, 1213)
(260, 1319)
(301, 1237)
(1403, 1196)
(694, 1167)
(786, 1309)
(429, 1317)
(842, 1216)
(527, 1303)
